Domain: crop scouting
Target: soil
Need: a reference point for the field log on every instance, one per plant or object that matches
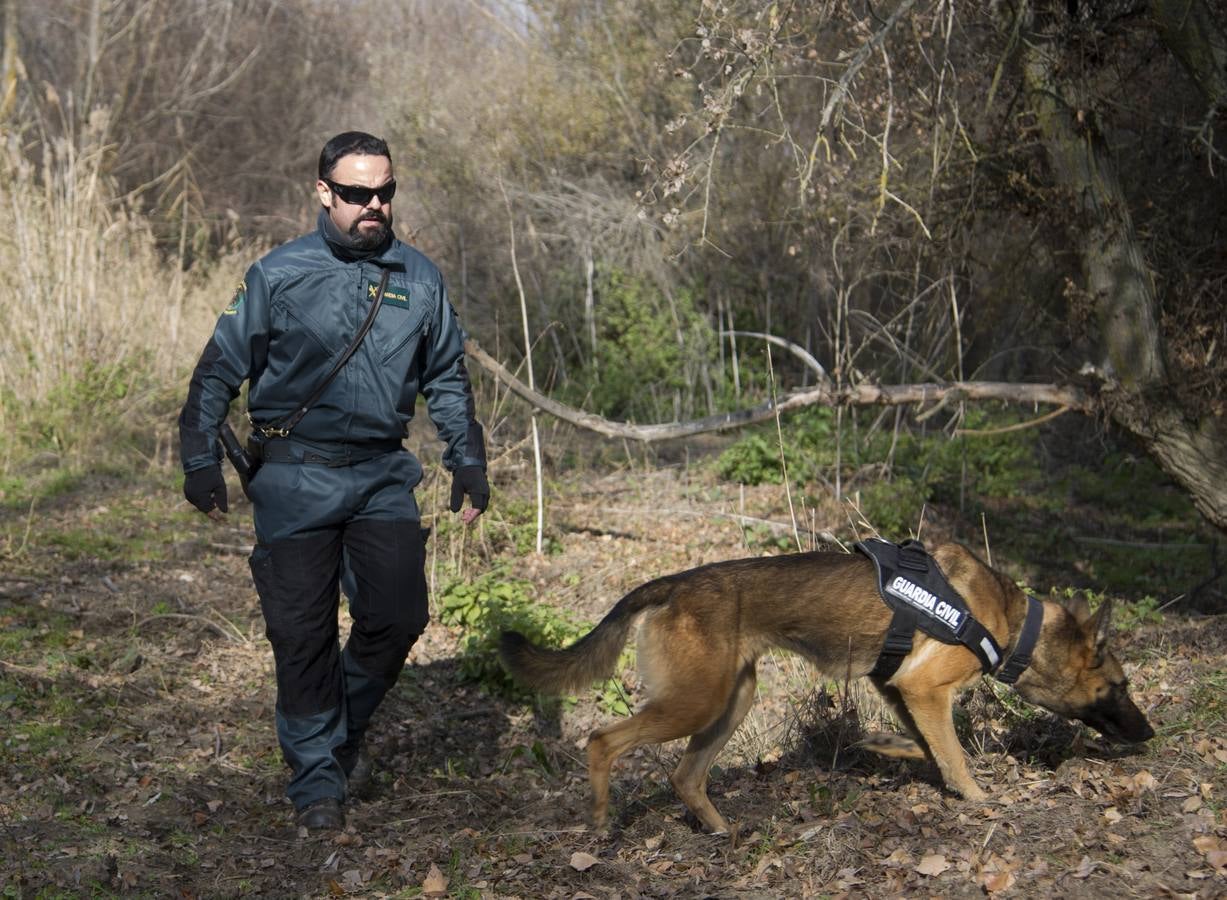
(139, 757)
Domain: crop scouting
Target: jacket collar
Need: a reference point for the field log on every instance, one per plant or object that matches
(341, 244)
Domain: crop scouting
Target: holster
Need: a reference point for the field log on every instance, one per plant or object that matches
(246, 462)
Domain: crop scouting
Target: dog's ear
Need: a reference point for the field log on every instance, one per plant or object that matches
(1078, 608)
(1100, 627)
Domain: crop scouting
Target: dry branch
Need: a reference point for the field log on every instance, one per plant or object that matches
(822, 395)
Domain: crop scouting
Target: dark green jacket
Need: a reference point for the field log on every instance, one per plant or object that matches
(291, 319)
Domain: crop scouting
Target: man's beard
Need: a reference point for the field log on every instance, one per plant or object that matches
(370, 238)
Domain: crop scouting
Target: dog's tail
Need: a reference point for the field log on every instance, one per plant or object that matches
(589, 659)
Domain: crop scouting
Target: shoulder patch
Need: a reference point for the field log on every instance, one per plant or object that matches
(240, 294)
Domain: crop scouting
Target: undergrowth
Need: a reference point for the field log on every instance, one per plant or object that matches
(485, 606)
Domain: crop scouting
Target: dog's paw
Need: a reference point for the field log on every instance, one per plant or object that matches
(889, 744)
(973, 793)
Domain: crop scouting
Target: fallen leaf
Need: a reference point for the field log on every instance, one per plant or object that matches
(1112, 815)
(435, 885)
(997, 881)
(582, 862)
(1217, 858)
(653, 843)
(1208, 843)
(899, 858)
(1144, 781)
(1085, 868)
(933, 864)
(1192, 805)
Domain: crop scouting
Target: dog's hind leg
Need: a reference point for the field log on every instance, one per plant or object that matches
(690, 777)
(665, 719)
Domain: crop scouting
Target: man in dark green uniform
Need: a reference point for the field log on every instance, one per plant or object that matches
(338, 487)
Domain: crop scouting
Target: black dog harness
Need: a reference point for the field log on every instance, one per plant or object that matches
(913, 585)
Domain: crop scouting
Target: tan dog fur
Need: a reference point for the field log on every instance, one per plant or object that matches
(703, 630)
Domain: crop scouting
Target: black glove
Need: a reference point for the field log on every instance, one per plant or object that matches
(206, 488)
(470, 480)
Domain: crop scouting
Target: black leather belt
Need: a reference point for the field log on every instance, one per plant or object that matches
(280, 450)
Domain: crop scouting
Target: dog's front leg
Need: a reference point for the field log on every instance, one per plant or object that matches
(932, 711)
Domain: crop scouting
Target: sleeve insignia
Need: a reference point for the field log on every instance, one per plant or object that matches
(240, 294)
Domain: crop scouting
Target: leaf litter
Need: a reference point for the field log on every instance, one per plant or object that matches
(139, 756)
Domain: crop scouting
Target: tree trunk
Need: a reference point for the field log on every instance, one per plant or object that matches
(1192, 451)
(1196, 36)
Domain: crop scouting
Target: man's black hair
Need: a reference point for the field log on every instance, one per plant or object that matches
(348, 142)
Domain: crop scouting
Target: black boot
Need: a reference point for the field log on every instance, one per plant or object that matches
(359, 774)
(322, 815)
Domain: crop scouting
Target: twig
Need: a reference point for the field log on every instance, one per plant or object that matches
(528, 357)
(24, 670)
(238, 549)
(1017, 426)
(187, 616)
(795, 349)
(843, 86)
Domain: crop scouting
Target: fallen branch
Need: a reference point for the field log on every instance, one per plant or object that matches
(820, 395)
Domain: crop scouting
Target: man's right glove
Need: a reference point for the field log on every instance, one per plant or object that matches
(206, 488)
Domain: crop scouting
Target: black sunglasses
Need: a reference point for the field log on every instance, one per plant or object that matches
(361, 196)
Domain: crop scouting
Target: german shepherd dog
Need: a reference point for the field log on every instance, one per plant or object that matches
(703, 631)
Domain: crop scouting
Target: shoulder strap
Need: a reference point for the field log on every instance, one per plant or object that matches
(285, 426)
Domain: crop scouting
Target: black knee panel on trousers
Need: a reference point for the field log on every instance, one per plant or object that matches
(390, 609)
(297, 583)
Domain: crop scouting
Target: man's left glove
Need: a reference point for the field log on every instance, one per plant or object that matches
(470, 480)
(206, 488)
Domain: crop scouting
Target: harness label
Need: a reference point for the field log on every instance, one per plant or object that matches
(928, 603)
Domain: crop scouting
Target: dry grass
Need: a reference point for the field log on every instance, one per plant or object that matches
(96, 320)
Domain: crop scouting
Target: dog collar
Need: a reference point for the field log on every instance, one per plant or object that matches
(1027, 639)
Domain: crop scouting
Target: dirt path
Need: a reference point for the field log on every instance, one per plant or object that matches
(139, 758)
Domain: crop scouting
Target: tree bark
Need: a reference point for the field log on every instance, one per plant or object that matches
(1192, 451)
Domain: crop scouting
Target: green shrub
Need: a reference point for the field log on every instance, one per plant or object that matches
(808, 447)
(923, 467)
(493, 603)
(893, 507)
(650, 350)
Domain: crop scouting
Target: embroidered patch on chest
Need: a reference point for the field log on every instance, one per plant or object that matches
(392, 296)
